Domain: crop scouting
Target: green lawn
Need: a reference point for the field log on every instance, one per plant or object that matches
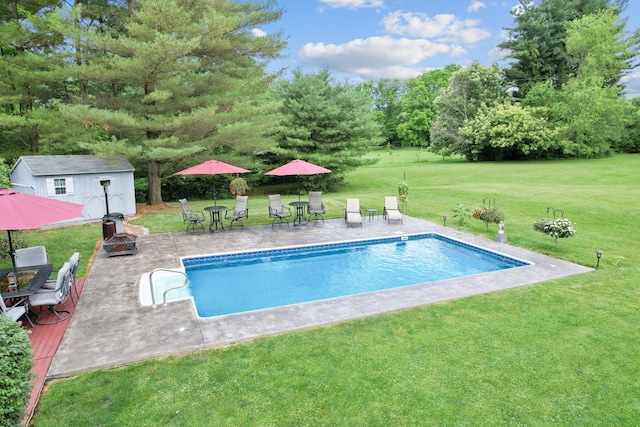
(563, 352)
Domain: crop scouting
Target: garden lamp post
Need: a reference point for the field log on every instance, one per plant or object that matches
(444, 220)
(105, 184)
(599, 255)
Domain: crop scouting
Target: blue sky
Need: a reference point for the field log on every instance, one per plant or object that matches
(363, 40)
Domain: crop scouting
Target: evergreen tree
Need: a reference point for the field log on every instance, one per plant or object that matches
(325, 123)
(28, 78)
(177, 79)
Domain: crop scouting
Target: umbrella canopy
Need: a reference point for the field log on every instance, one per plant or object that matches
(20, 211)
(298, 167)
(212, 167)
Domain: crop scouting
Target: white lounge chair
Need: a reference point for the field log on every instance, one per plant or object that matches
(276, 210)
(353, 214)
(391, 211)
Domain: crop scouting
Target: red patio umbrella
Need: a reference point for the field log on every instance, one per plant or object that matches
(298, 167)
(20, 211)
(212, 167)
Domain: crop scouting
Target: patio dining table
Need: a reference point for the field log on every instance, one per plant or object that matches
(42, 274)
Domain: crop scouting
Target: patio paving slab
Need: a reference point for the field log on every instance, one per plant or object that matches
(111, 328)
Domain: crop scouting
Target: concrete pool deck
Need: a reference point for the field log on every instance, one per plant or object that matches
(111, 328)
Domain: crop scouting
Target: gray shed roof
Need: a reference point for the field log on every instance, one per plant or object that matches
(73, 165)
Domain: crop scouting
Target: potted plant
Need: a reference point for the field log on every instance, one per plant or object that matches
(238, 186)
(489, 213)
(557, 228)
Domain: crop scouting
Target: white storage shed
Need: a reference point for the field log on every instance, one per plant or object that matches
(78, 179)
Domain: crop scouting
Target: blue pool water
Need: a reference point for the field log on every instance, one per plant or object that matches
(239, 282)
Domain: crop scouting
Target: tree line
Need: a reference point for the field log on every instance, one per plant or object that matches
(561, 95)
(169, 83)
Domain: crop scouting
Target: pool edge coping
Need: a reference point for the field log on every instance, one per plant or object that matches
(130, 334)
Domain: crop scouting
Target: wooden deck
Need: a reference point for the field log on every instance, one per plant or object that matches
(45, 340)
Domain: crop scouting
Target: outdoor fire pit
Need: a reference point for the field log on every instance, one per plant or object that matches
(120, 244)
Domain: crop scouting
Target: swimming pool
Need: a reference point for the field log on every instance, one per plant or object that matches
(246, 281)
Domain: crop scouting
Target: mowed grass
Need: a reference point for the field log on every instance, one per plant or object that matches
(563, 352)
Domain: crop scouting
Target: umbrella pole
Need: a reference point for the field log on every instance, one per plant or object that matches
(215, 194)
(12, 253)
(299, 187)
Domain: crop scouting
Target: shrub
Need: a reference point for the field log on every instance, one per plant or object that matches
(17, 242)
(460, 213)
(15, 364)
(403, 192)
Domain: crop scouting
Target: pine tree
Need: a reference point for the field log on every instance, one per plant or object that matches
(28, 79)
(325, 123)
(176, 79)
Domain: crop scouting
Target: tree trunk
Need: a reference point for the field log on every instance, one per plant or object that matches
(155, 193)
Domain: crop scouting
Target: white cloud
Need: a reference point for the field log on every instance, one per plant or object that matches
(375, 57)
(352, 4)
(400, 73)
(457, 50)
(631, 81)
(475, 6)
(258, 32)
(443, 27)
(497, 54)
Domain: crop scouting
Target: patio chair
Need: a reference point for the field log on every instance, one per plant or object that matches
(315, 207)
(239, 211)
(276, 210)
(353, 213)
(31, 256)
(391, 211)
(74, 261)
(192, 219)
(17, 310)
(53, 297)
